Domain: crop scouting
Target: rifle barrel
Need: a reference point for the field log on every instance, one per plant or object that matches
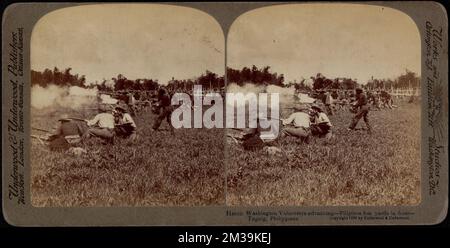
(77, 119)
(39, 129)
(278, 119)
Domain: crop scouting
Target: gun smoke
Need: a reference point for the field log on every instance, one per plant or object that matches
(73, 97)
(288, 96)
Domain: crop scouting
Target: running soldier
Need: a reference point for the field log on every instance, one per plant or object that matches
(165, 110)
(362, 110)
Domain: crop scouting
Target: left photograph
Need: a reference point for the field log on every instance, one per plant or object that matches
(102, 79)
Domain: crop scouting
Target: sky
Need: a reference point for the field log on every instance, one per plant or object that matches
(136, 40)
(337, 40)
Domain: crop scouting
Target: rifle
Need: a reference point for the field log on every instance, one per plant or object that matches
(38, 129)
(237, 129)
(123, 124)
(38, 138)
(76, 119)
(277, 119)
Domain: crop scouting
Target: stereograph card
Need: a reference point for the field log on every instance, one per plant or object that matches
(187, 114)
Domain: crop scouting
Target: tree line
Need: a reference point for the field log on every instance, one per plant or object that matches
(211, 80)
(405, 81)
(208, 80)
(57, 77)
(254, 75)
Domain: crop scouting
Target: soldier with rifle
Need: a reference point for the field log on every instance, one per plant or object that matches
(164, 109)
(124, 124)
(362, 110)
(102, 126)
(320, 123)
(298, 125)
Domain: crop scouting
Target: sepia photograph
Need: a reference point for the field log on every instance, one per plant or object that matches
(218, 113)
(102, 81)
(348, 83)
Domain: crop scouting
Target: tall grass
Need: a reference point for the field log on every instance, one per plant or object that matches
(192, 167)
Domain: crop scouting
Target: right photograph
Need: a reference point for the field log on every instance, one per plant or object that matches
(349, 112)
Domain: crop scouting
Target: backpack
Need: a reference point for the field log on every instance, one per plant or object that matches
(58, 143)
(253, 143)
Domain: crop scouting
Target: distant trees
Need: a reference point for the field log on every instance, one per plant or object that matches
(57, 77)
(180, 84)
(405, 81)
(322, 82)
(123, 83)
(103, 86)
(65, 78)
(210, 80)
(301, 86)
(254, 75)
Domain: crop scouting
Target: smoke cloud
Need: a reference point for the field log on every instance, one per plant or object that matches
(69, 97)
(288, 96)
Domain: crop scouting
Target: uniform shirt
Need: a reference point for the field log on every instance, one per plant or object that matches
(299, 119)
(322, 118)
(328, 99)
(361, 100)
(164, 100)
(104, 120)
(131, 99)
(127, 119)
(72, 127)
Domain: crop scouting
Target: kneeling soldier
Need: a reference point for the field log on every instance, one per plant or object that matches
(101, 126)
(320, 123)
(297, 125)
(124, 124)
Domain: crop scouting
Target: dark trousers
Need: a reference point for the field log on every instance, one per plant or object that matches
(299, 132)
(164, 113)
(363, 112)
(124, 130)
(106, 134)
(320, 129)
(329, 109)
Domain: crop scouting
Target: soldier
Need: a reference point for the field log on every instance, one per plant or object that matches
(124, 124)
(251, 140)
(377, 101)
(131, 101)
(362, 110)
(297, 125)
(102, 126)
(387, 100)
(69, 131)
(165, 110)
(329, 103)
(320, 123)
(70, 127)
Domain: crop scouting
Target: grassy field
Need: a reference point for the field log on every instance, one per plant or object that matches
(192, 167)
(185, 169)
(354, 168)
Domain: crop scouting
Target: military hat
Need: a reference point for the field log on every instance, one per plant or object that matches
(121, 108)
(64, 117)
(103, 108)
(301, 108)
(317, 107)
(249, 131)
